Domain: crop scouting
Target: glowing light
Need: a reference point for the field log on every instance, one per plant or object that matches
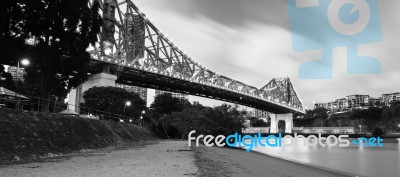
(25, 62)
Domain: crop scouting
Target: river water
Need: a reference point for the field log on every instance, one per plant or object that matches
(365, 161)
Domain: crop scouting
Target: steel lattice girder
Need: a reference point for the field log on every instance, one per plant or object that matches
(131, 41)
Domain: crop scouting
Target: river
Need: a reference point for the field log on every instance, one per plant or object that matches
(364, 161)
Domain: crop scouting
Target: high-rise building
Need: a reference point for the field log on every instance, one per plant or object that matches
(135, 89)
(260, 113)
(321, 105)
(174, 94)
(390, 97)
(342, 104)
(357, 101)
(332, 106)
(13, 71)
(338, 105)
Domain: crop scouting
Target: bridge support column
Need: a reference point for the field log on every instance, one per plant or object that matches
(275, 118)
(75, 95)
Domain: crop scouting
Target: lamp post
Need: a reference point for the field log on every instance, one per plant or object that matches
(141, 117)
(24, 62)
(127, 103)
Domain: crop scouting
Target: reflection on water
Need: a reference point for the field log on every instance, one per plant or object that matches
(366, 161)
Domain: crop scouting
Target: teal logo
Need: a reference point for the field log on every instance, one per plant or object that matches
(325, 24)
(368, 142)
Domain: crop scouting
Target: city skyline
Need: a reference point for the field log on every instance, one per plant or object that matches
(251, 41)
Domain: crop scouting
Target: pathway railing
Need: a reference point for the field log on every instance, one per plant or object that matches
(38, 105)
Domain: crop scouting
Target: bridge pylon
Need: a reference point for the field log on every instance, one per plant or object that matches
(76, 95)
(275, 118)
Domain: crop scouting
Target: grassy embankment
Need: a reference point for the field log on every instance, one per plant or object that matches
(27, 135)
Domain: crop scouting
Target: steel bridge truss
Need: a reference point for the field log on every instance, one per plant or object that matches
(131, 41)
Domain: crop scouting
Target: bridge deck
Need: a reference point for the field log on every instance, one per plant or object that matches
(136, 77)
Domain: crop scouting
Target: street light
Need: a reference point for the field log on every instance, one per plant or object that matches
(141, 117)
(24, 62)
(127, 103)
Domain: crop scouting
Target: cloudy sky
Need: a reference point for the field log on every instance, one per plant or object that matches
(250, 40)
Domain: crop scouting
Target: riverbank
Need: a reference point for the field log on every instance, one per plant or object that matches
(162, 158)
(216, 161)
(26, 135)
(165, 158)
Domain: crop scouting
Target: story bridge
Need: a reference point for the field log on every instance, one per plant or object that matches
(132, 50)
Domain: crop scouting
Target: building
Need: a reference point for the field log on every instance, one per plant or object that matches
(135, 89)
(254, 130)
(357, 101)
(390, 97)
(260, 113)
(332, 106)
(13, 71)
(375, 101)
(324, 130)
(174, 94)
(343, 104)
(321, 105)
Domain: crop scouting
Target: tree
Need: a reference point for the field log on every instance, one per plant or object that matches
(377, 132)
(6, 79)
(164, 104)
(390, 117)
(303, 122)
(227, 119)
(175, 118)
(191, 118)
(320, 116)
(59, 33)
(113, 99)
(320, 113)
(256, 122)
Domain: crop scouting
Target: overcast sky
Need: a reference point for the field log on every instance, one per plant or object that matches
(250, 40)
